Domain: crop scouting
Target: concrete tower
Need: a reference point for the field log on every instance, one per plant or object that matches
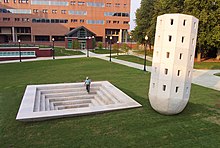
(173, 60)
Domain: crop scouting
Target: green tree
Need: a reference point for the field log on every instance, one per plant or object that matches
(208, 13)
(76, 44)
(100, 45)
(125, 47)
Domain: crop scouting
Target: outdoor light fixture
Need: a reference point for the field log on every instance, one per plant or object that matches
(19, 43)
(110, 49)
(87, 46)
(53, 48)
(118, 47)
(145, 52)
(106, 37)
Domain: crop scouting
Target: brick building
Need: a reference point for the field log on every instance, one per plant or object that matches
(42, 20)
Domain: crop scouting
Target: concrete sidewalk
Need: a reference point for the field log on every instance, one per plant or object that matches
(204, 78)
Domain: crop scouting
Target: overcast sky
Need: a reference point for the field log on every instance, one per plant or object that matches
(134, 5)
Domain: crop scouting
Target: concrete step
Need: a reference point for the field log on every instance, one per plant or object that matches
(105, 98)
(108, 94)
(99, 100)
(66, 86)
(51, 91)
(69, 94)
(87, 96)
(72, 106)
(71, 102)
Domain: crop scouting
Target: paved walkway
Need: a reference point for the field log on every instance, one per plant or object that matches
(204, 78)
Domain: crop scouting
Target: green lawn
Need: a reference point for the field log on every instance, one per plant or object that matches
(149, 53)
(59, 51)
(207, 65)
(197, 126)
(132, 58)
(105, 51)
(217, 74)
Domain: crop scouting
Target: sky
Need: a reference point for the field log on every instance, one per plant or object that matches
(134, 5)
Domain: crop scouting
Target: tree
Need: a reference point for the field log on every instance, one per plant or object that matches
(209, 19)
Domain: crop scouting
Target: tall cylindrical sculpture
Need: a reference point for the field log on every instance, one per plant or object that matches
(173, 60)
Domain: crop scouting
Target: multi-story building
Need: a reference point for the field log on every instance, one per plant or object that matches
(42, 20)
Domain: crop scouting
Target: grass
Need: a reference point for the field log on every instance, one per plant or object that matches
(207, 65)
(59, 51)
(134, 59)
(104, 51)
(217, 74)
(197, 126)
(141, 52)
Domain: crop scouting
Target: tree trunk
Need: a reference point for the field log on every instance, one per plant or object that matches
(218, 54)
(199, 54)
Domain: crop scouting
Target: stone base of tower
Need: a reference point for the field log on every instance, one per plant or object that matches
(168, 106)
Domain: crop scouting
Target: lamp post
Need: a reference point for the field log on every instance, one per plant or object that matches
(19, 45)
(106, 37)
(93, 42)
(88, 46)
(53, 49)
(118, 47)
(131, 42)
(110, 49)
(145, 52)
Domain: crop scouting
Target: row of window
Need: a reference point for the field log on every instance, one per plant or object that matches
(176, 88)
(182, 39)
(60, 3)
(17, 11)
(71, 12)
(19, 1)
(39, 20)
(178, 72)
(16, 53)
(121, 14)
(184, 23)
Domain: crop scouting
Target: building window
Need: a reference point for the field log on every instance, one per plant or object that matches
(170, 38)
(178, 73)
(115, 22)
(25, 19)
(155, 69)
(81, 3)
(125, 5)
(73, 20)
(45, 11)
(177, 88)
(6, 1)
(171, 22)
(126, 22)
(63, 11)
(35, 11)
(82, 21)
(193, 41)
(17, 19)
(157, 53)
(194, 25)
(108, 4)
(72, 2)
(182, 39)
(153, 85)
(180, 56)
(187, 90)
(54, 11)
(166, 71)
(184, 22)
(14, 1)
(117, 4)
(108, 21)
(168, 54)
(23, 1)
(164, 87)
(6, 19)
(190, 57)
(189, 73)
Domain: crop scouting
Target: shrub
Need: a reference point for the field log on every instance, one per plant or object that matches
(76, 44)
(100, 46)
